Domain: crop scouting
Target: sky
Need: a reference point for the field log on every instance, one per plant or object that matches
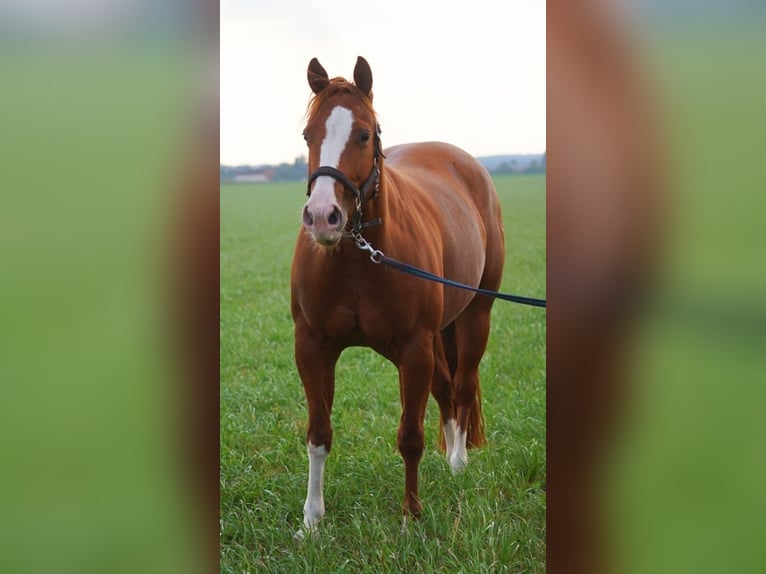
(471, 74)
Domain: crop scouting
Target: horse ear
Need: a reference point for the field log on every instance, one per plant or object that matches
(363, 76)
(318, 78)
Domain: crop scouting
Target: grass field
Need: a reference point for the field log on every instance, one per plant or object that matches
(491, 518)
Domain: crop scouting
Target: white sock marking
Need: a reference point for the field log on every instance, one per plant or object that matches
(337, 131)
(449, 435)
(459, 458)
(313, 510)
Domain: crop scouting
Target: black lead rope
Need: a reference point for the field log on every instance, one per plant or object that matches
(377, 256)
(404, 267)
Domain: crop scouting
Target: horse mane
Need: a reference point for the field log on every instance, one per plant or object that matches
(338, 86)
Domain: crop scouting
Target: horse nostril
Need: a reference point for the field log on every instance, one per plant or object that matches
(308, 220)
(334, 218)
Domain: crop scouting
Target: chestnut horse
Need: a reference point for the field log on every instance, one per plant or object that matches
(431, 205)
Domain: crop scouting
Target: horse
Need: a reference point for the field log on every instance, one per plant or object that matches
(430, 204)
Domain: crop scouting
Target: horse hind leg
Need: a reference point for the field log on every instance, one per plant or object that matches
(471, 334)
(445, 359)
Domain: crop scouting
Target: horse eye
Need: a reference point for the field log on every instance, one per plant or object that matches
(305, 137)
(364, 137)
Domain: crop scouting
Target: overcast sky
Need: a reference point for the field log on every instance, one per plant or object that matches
(472, 74)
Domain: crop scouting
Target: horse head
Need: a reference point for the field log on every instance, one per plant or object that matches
(344, 149)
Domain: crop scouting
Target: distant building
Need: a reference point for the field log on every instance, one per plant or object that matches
(251, 178)
(258, 175)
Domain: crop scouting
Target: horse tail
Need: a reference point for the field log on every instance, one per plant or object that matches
(475, 429)
(441, 442)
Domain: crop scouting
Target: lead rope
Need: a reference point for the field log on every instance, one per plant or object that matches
(377, 257)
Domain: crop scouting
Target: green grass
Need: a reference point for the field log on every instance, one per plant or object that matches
(491, 518)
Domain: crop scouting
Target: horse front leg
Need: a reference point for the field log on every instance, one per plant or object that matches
(416, 367)
(315, 357)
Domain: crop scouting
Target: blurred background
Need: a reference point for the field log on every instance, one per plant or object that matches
(688, 469)
(657, 314)
(108, 252)
(656, 282)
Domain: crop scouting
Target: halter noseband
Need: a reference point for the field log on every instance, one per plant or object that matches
(360, 193)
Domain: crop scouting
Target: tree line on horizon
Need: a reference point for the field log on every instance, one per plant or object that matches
(298, 169)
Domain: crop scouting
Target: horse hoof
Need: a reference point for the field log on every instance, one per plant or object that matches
(457, 464)
(304, 533)
(412, 508)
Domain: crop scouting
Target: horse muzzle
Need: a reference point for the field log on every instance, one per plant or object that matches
(325, 222)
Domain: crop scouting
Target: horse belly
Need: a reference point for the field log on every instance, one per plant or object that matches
(463, 261)
(459, 203)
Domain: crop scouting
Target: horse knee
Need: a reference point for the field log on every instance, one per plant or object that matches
(411, 443)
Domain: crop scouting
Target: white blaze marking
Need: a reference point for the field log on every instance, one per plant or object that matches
(313, 510)
(337, 131)
(459, 458)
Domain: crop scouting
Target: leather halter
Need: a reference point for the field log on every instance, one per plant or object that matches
(360, 193)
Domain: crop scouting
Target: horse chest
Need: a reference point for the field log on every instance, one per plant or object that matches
(356, 324)
(340, 321)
